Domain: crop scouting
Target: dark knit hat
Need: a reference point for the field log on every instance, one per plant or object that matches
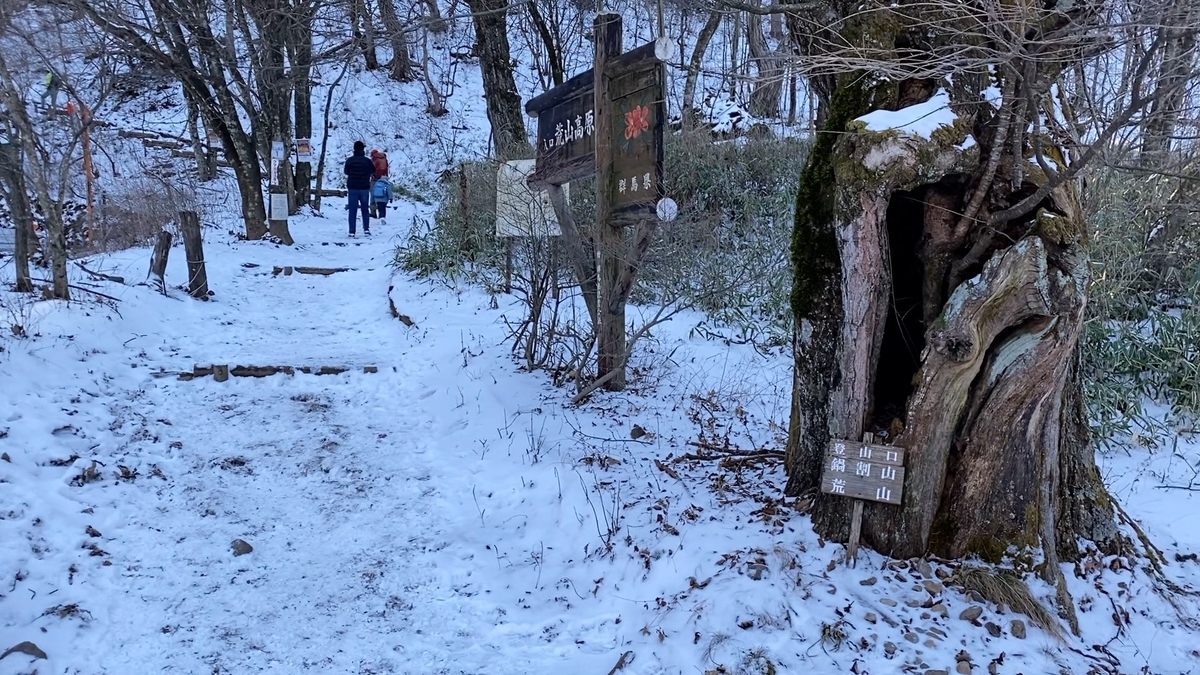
(359, 146)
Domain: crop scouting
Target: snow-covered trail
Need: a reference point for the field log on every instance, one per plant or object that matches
(446, 514)
(358, 491)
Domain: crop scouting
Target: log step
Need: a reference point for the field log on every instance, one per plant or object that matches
(224, 372)
(167, 145)
(323, 271)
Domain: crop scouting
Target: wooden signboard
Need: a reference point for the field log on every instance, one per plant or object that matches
(639, 111)
(566, 146)
(863, 471)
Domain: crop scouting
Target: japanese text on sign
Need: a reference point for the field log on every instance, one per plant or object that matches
(571, 129)
(863, 471)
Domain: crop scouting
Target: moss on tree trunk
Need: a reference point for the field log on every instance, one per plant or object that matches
(976, 379)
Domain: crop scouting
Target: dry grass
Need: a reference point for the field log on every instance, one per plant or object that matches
(1006, 588)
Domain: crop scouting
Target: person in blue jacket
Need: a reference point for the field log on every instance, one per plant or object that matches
(359, 170)
(381, 195)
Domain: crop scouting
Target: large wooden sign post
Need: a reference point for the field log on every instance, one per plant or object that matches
(608, 122)
(863, 471)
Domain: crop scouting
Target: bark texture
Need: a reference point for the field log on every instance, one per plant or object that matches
(503, 102)
(947, 340)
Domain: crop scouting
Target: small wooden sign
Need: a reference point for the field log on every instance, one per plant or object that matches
(864, 471)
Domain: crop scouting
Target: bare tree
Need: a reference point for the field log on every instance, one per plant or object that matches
(767, 88)
(241, 87)
(50, 142)
(16, 195)
(495, 60)
(401, 67)
(703, 39)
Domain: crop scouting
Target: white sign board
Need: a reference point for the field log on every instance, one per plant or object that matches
(303, 150)
(519, 212)
(278, 151)
(279, 207)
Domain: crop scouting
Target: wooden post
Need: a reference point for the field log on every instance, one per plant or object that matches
(158, 261)
(464, 209)
(221, 373)
(193, 246)
(508, 264)
(610, 329)
(856, 520)
(85, 118)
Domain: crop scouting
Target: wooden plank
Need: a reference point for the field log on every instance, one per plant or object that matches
(855, 532)
(633, 82)
(578, 86)
(581, 84)
(566, 143)
(637, 58)
(638, 121)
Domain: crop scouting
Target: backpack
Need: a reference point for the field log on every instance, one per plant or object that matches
(382, 191)
(381, 164)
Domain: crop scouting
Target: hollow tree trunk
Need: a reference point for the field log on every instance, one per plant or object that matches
(977, 381)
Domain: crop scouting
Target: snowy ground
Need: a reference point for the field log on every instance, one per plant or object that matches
(450, 514)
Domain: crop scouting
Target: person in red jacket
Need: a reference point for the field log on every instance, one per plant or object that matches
(380, 162)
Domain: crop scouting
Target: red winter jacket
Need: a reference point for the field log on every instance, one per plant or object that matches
(379, 159)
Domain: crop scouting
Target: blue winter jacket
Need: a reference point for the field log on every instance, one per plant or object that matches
(358, 171)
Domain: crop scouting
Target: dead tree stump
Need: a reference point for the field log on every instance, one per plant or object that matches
(193, 245)
(158, 262)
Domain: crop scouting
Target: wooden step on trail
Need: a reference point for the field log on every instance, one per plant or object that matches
(222, 372)
(323, 271)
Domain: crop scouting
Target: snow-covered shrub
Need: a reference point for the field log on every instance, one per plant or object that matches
(136, 210)
(1142, 339)
(462, 237)
(727, 253)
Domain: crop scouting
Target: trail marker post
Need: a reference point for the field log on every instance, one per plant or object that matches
(608, 122)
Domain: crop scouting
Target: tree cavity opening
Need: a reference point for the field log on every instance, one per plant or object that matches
(904, 332)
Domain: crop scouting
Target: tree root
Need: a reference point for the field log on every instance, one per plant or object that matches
(1153, 553)
(1164, 587)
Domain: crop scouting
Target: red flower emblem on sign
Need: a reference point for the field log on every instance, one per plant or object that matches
(636, 121)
